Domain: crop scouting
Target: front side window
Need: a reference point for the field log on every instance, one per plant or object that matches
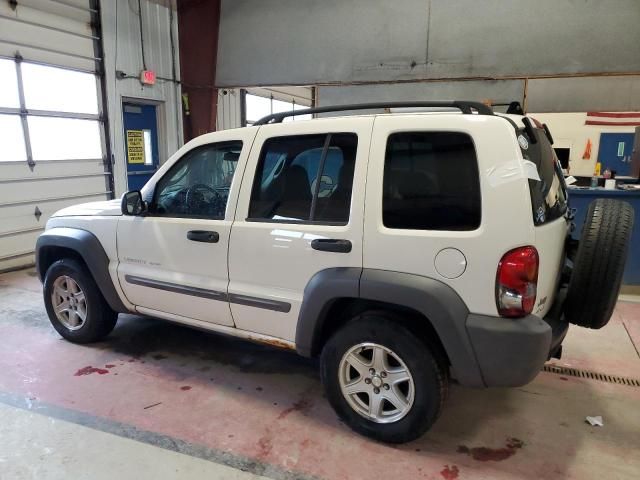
(197, 186)
(305, 178)
(431, 182)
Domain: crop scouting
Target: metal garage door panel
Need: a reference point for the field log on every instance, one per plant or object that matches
(78, 11)
(47, 39)
(19, 218)
(43, 189)
(20, 170)
(22, 216)
(79, 24)
(47, 56)
(17, 250)
(16, 261)
(19, 243)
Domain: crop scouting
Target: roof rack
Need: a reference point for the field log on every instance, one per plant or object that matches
(464, 106)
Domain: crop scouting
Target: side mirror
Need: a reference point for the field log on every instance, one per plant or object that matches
(132, 203)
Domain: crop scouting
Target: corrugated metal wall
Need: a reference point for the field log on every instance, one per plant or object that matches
(229, 112)
(123, 52)
(36, 183)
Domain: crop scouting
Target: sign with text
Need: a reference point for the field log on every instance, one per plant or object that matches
(135, 146)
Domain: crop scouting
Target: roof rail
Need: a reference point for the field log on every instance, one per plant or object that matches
(464, 106)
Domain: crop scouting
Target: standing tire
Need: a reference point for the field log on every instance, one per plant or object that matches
(383, 381)
(74, 303)
(599, 263)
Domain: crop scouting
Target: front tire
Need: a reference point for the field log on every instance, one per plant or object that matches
(383, 381)
(74, 303)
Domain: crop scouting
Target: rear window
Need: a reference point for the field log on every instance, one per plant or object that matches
(431, 182)
(548, 195)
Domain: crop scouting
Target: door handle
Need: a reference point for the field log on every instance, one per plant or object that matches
(203, 236)
(331, 245)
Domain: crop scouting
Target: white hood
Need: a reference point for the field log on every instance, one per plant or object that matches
(105, 208)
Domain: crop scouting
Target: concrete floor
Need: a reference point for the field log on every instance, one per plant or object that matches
(156, 400)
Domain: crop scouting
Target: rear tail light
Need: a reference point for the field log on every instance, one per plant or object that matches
(516, 282)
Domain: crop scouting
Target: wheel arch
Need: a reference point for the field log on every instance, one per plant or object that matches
(430, 308)
(83, 246)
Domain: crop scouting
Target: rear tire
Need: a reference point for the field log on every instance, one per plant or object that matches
(599, 263)
(385, 406)
(74, 303)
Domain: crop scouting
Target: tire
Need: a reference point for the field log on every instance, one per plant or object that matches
(426, 369)
(599, 263)
(65, 278)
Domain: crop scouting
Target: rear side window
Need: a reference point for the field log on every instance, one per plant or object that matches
(305, 178)
(548, 195)
(431, 182)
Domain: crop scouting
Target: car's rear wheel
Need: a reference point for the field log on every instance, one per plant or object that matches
(382, 380)
(74, 303)
(599, 263)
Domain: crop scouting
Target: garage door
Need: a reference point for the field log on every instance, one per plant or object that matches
(52, 140)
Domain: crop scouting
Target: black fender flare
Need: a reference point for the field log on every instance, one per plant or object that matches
(87, 245)
(438, 302)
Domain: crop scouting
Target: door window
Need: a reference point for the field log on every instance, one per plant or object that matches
(305, 178)
(431, 182)
(197, 186)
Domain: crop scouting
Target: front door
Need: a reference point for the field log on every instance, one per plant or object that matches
(294, 218)
(173, 261)
(615, 152)
(141, 143)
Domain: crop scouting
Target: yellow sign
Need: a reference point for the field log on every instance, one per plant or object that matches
(135, 146)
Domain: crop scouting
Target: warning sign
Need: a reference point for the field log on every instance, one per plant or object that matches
(135, 146)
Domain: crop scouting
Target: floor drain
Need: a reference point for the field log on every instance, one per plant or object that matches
(574, 372)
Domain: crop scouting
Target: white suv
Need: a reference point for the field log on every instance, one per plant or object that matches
(402, 249)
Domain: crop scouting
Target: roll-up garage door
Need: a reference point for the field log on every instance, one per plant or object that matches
(52, 129)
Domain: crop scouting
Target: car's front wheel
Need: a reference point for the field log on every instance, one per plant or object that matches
(382, 380)
(74, 303)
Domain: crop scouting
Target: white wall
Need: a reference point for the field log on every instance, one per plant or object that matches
(569, 131)
(123, 52)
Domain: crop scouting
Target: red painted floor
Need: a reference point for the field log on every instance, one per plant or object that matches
(267, 405)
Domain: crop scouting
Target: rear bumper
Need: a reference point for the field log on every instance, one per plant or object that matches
(511, 352)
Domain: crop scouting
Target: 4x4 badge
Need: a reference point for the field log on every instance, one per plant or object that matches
(523, 142)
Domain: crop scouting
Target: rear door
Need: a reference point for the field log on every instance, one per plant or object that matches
(303, 183)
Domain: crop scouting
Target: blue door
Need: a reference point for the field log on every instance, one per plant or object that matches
(615, 152)
(141, 143)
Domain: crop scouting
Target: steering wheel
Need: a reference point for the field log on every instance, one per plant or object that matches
(194, 202)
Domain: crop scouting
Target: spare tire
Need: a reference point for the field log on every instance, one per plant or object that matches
(599, 263)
